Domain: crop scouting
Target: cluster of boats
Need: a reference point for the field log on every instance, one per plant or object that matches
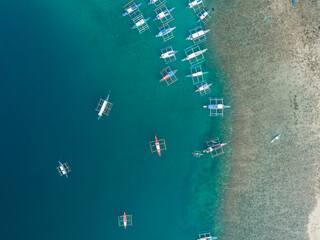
(163, 14)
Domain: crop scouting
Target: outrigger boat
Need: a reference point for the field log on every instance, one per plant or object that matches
(275, 138)
(63, 169)
(141, 22)
(170, 74)
(194, 3)
(157, 146)
(165, 31)
(214, 148)
(132, 9)
(197, 154)
(203, 15)
(216, 106)
(152, 2)
(197, 74)
(204, 87)
(195, 54)
(163, 14)
(168, 54)
(125, 220)
(197, 34)
(103, 107)
(208, 238)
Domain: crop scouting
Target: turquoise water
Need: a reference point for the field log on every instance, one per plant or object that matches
(60, 58)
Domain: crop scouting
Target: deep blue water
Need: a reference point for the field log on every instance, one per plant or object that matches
(57, 59)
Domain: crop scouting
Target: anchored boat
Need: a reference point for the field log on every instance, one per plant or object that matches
(157, 146)
(168, 54)
(203, 16)
(165, 32)
(204, 87)
(197, 35)
(140, 23)
(194, 54)
(131, 9)
(275, 138)
(104, 107)
(152, 2)
(125, 220)
(63, 169)
(170, 74)
(194, 3)
(163, 14)
(197, 74)
(216, 107)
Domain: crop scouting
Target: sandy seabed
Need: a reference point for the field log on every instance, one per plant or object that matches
(274, 70)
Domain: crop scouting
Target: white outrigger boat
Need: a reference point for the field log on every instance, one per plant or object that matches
(214, 148)
(131, 9)
(168, 54)
(203, 16)
(152, 2)
(63, 169)
(195, 54)
(140, 23)
(204, 87)
(197, 34)
(104, 107)
(197, 74)
(163, 14)
(165, 32)
(194, 3)
(275, 138)
(206, 236)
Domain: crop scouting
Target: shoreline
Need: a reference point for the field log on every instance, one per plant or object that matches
(314, 221)
(274, 71)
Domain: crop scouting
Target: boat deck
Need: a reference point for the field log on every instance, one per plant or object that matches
(215, 144)
(165, 19)
(170, 59)
(143, 27)
(107, 109)
(197, 59)
(206, 19)
(199, 39)
(167, 36)
(197, 7)
(204, 91)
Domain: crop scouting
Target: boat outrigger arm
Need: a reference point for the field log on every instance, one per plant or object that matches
(104, 105)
